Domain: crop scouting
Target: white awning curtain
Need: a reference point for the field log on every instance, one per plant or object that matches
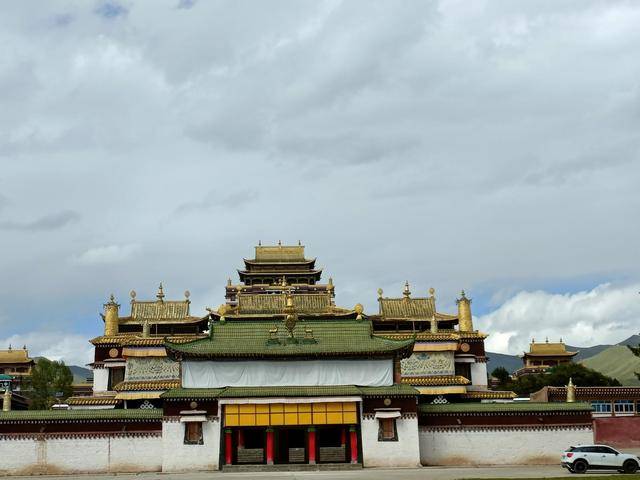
(301, 373)
(193, 418)
(387, 414)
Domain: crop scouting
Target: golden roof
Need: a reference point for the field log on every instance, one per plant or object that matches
(548, 349)
(489, 395)
(15, 356)
(407, 307)
(78, 401)
(441, 335)
(147, 385)
(255, 303)
(280, 253)
(129, 340)
(435, 380)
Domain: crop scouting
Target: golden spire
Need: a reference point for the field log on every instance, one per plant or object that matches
(111, 316)
(229, 282)
(465, 319)
(432, 292)
(160, 294)
(380, 292)
(330, 284)
(358, 309)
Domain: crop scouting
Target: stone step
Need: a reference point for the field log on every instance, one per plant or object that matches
(291, 468)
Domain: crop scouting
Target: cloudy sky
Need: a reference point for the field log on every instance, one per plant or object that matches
(490, 146)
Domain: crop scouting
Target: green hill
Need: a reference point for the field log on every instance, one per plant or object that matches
(616, 361)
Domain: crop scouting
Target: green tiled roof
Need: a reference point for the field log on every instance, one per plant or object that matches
(315, 338)
(321, 391)
(509, 407)
(81, 415)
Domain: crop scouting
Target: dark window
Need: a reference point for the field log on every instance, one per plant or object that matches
(116, 375)
(463, 369)
(193, 433)
(606, 450)
(387, 430)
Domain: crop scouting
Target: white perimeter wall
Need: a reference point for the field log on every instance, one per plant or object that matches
(403, 453)
(80, 454)
(178, 457)
(498, 446)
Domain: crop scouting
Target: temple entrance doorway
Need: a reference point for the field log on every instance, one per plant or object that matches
(291, 445)
(250, 445)
(332, 444)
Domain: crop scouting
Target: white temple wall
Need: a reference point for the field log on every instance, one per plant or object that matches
(256, 373)
(100, 379)
(69, 454)
(178, 457)
(478, 376)
(498, 446)
(403, 453)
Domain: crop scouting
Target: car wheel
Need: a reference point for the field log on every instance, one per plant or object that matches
(579, 466)
(630, 466)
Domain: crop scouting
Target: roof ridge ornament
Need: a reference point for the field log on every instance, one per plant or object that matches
(380, 292)
(160, 294)
(406, 292)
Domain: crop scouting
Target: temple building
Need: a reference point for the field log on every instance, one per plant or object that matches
(277, 375)
(448, 361)
(15, 367)
(130, 367)
(542, 356)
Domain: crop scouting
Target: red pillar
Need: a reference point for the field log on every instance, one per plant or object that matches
(240, 439)
(312, 445)
(354, 444)
(228, 457)
(343, 437)
(269, 446)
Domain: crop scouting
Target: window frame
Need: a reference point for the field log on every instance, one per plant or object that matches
(198, 435)
(596, 406)
(624, 403)
(381, 430)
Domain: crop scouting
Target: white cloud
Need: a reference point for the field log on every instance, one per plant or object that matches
(607, 314)
(74, 349)
(107, 254)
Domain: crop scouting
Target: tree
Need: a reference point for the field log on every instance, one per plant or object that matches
(502, 375)
(50, 383)
(559, 376)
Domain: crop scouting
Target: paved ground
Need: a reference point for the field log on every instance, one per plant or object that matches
(427, 473)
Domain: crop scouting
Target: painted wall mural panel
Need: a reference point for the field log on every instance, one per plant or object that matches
(426, 364)
(154, 368)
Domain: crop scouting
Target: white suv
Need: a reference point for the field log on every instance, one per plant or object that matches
(584, 457)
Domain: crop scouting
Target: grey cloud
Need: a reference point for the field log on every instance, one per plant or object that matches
(217, 199)
(493, 147)
(110, 9)
(45, 223)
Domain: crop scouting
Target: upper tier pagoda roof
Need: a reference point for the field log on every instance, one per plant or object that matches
(309, 303)
(280, 254)
(311, 338)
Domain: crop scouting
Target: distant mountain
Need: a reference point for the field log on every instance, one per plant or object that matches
(510, 362)
(80, 374)
(618, 362)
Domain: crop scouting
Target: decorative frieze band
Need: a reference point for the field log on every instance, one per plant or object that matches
(510, 428)
(69, 435)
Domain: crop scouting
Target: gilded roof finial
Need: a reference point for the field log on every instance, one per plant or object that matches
(291, 317)
(187, 294)
(112, 300)
(432, 292)
(279, 243)
(229, 282)
(330, 284)
(561, 340)
(547, 340)
(24, 347)
(358, 309)
(132, 294)
(380, 292)
(462, 294)
(571, 391)
(10, 347)
(284, 281)
(299, 243)
(533, 340)
(160, 294)
(259, 243)
(406, 292)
